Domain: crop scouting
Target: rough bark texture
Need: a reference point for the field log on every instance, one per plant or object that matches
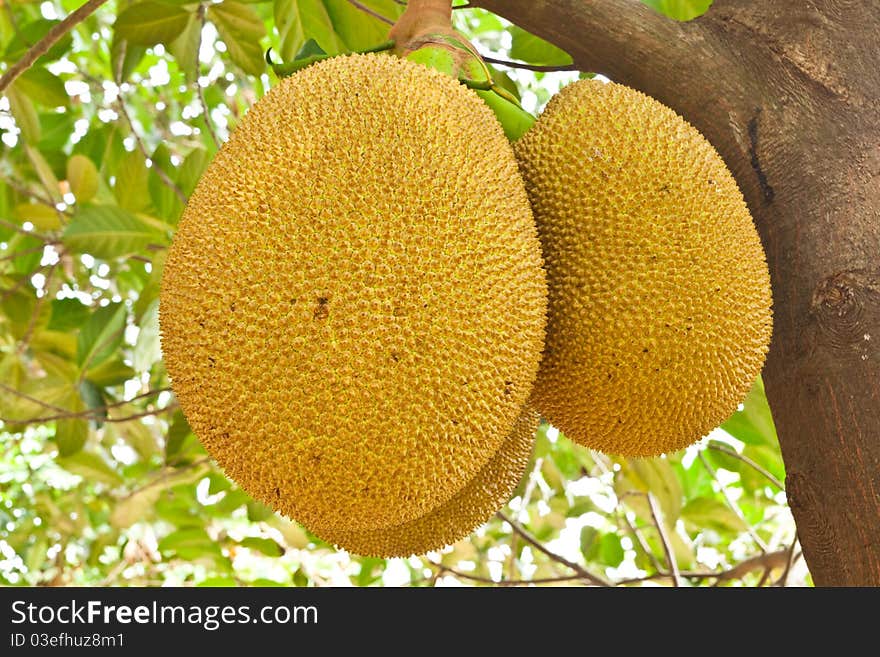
(789, 93)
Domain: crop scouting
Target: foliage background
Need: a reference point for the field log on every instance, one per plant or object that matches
(102, 481)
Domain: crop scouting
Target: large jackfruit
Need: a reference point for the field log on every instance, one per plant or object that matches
(660, 308)
(353, 308)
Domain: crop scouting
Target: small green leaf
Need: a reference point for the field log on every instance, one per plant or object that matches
(681, 10)
(185, 48)
(83, 178)
(754, 424)
(40, 215)
(68, 314)
(241, 30)
(178, 434)
(131, 188)
(44, 173)
(257, 511)
(299, 20)
(707, 512)
(108, 232)
(101, 335)
(112, 372)
(43, 87)
(146, 349)
(25, 115)
(189, 543)
(265, 545)
(589, 535)
(529, 48)
(124, 57)
(146, 23)
(71, 434)
(91, 467)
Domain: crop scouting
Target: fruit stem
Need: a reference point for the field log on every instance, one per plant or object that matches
(422, 17)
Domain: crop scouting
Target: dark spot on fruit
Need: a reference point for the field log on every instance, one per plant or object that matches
(322, 310)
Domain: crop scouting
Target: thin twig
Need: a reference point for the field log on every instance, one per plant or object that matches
(24, 395)
(745, 459)
(29, 233)
(65, 414)
(531, 540)
(664, 540)
(370, 12)
(52, 37)
(731, 504)
(530, 67)
(166, 180)
(504, 582)
(24, 252)
(35, 313)
(199, 91)
(39, 198)
(643, 544)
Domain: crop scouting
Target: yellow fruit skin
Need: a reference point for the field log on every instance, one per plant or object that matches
(353, 308)
(660, 308)
(472, 506)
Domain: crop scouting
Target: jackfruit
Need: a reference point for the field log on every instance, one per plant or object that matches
(659, 316)
(472, 506)
(352, 310)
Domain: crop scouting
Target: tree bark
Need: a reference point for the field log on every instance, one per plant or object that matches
(789, 93)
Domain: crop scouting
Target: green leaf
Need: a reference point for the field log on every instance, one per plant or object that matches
(257, 511)
(589, 536)
(357, 29)
(25, 115)
(146, 23)
(707, 512)
(43, 87)
(177, 436)
(131, 188)
(101, 335)
(71, 434)
(265, 545)
(681, 10)
(111, 372)
(44, 173)
(241, 30)
(68, 314)
(191, 170)
(299, 20)
(185, 48)
(164, 198)
(83, 178)
(607, 550)
(91, 467)
(754, 424)
(124, 57)
(40, 215)
(189, 543)
(146, 349)
(529, 48)
(108, 232)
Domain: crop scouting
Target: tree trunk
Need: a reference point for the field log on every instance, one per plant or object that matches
(789, 93)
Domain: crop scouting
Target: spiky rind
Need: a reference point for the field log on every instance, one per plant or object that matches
(660, 307)
(352, 309)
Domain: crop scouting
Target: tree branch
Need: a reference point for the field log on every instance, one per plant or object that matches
(52, 37)
(535, 543)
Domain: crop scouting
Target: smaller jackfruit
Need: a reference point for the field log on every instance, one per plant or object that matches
(472, 506)
(660, 306)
